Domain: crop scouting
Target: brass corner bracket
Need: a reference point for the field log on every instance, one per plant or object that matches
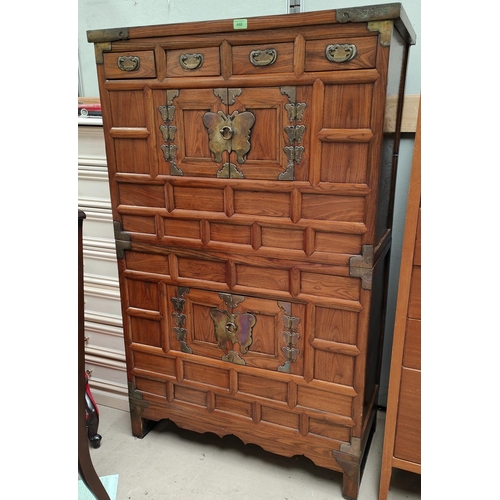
(348, 457)
(361, 266)
(99, 49)
(385, 30)
(122, 240)
(136, 402)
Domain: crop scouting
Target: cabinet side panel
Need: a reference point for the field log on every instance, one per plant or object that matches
(390, 146)
(376, 329)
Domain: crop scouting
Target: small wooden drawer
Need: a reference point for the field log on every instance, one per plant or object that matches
(129, 65)
(193, 62)
(342, 53)
(270, 58)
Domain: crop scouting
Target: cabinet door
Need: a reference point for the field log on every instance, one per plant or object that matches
(249, 133)
(183, 145)
(243, 330)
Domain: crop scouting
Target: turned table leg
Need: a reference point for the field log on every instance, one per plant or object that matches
(92, 415)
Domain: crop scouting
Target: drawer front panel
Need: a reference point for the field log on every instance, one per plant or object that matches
(407, 443)
(333, 54)
(259, 59)
(130, 65)
(412, 347)
(193, 62)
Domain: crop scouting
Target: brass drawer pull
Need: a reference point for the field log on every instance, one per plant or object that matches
(128, 63)
(191, 61)
(263, 57)
(340, 52)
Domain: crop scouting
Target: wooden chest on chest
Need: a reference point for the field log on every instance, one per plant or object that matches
(252, 186)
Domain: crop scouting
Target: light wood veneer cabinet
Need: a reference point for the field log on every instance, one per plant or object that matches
(252, 188)
(402, 439)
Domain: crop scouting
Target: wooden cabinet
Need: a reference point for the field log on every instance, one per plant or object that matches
(251, 183)
(402, 430)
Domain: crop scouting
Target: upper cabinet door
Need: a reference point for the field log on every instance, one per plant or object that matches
(242, 133)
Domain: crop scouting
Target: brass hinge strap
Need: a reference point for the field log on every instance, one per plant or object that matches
(122, 240)
(361, 266)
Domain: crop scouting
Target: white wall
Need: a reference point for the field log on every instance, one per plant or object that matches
(104, 14)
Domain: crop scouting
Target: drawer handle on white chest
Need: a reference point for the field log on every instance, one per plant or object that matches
(341, 52)
(128, 63)
(263, 57)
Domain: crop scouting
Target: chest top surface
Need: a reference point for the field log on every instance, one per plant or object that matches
(363, 14)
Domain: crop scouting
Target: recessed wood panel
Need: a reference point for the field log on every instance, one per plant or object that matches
(230, 233)
(279, 417)
(190, 395)
(195, 142)
(149, 362)
(265, 334)
(202, 269)
(324, 400)
(145, 331)
(343, 162)
(348, 106)
(151, 386)
(337, 243)
(261, 277)
(260, 386)
(329, 286)
(333, 208)
(201, 326)
(336, 325)
(206, 375)
(282, 238)
(141, 195)
(201, 199)
(262, 203)
(327, 429)
(143, 295)
(147, 262)
(138, 224)
(232, 405)
(333, 367)
(130, 155)
(182, 228)
(128, 108)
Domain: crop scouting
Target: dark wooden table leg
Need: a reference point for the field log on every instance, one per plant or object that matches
(85, 467)
(92, 415)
